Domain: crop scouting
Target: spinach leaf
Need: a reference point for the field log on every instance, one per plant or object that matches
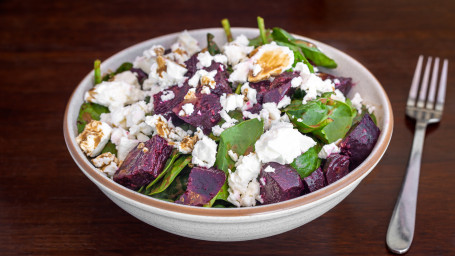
(315, 55)
(110, 147)
(240, 139)
(124, 67)
(282, 35)
(176, 188)
(87, 113)
(342, 115)
(211, 45)
(308, 117)
(169, 177)
(169, 164)
(307, 162)
(309, 50)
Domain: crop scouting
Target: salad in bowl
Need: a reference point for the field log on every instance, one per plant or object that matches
(254, 121)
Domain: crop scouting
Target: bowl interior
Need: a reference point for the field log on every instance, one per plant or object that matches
(365, 83)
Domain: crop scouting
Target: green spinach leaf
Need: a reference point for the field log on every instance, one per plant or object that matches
(169, 177)
(308, 117)
(88, 112)
(342, 115)
(307, 162)
(240, 139)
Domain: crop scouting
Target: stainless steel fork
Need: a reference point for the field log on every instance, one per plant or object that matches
(425, 111)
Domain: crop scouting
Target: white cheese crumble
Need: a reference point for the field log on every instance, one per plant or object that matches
(107, 163)
(278, 51)
(114, 93)
(328, 149)
(204, 59)
(237, 50)
(270, 114)
(233, 155)
(172, 75)
(206, 78)
(250, 94)
(284, 102)
(167, 95)
(127, 77)
(296, 82)
(282, 144)
(204, 152)
(357, 102)
(231, 101)
(187, 109)
(243, 185)
(95, 136)
(339, 96)
(269, 169)
(240, 72)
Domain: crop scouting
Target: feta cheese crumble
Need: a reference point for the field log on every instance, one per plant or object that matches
(204, 152)
(282, 144)
(95, 136)
(243, 185)
(328, 149)
(116, 94)
(167, 95)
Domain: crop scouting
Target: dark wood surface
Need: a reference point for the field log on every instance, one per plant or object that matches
(48, 207)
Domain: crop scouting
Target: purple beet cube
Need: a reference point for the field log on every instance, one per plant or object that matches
(360, 141)
(144, 163)
(281, 184)
(191, 65)
(278, 93)
(205, 114)
(203, 185)
(315, 181)
(162, 107)
(284, 78)
(344, 84)
(221, 79)
(336, 167)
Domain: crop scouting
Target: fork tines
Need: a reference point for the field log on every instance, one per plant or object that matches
(426, 99)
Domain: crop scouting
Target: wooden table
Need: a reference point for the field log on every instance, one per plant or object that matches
(48, 207)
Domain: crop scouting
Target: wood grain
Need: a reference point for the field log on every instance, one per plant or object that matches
(48, 207)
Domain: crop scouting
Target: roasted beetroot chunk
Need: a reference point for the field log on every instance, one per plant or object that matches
(344, 84)
(280, 185)
(315, 181)
(144, 163)
(203, 185)
(162, 107)
(273, 91)
(360, 141)
(205, 114)
(191, 65)
(278, 93)
(336, 167)
(221, 79)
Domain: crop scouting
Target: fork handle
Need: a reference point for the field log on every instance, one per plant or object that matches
(402, 222)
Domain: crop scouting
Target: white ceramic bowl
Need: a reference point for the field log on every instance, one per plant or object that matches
(241, 223)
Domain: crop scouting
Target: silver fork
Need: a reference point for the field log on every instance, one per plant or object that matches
(424, 110)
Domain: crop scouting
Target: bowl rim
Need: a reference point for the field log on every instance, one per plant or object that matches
(352, 177)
